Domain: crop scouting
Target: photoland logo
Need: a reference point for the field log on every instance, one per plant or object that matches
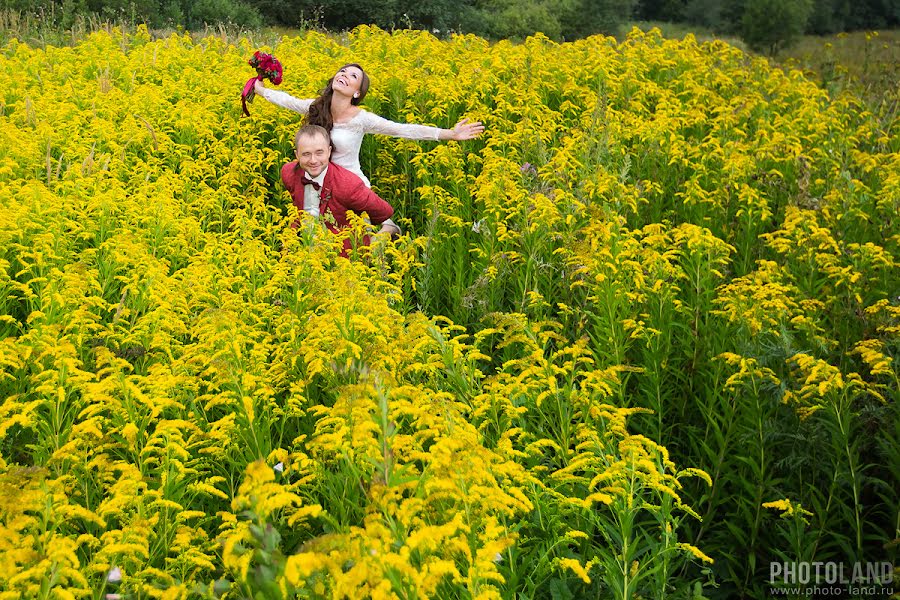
(857, 574)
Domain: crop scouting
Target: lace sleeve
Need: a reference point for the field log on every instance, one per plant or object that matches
(284, 100)
(374, 124)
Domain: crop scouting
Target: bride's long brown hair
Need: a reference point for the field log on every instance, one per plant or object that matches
(320, 109)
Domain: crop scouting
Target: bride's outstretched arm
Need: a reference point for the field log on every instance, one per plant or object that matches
(282, 99)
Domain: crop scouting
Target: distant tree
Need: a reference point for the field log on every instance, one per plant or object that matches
(660, 10)
(60, 13)
(521, 18)
(208, 12)
(156, 13)
(131, 10)
(557, 19)
(765, 25)
(873, 14)
(339, 15)
(346, 14)
(706, 13)
(828, 16)
(581, 18)
(769, 25)
(517, 19)
(284, 12)
(440, 15)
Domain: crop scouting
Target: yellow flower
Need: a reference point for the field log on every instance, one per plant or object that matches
(576, 567)
(789, 509)
(696, 552)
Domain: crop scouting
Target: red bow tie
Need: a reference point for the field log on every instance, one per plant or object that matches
(307, 181)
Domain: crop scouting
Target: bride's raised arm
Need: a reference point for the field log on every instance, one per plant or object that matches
(282, 99)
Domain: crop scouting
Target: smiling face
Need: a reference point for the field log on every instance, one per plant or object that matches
(313, 152)
(351, 81)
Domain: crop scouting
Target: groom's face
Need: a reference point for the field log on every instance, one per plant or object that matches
(313, 153)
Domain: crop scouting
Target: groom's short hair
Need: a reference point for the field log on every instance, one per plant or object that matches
(312, 130)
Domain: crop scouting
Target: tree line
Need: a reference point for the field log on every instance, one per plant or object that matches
(770, 24)
(763, 24)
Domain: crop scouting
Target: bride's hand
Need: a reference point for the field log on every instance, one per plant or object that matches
(466, 131)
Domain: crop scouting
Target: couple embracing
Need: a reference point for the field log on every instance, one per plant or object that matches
(327, 179)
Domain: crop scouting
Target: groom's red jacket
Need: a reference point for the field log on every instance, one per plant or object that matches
(341, 191)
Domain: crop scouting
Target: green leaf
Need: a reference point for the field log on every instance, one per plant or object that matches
(560, 591)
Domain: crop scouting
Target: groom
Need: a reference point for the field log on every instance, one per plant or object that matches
(325, 189)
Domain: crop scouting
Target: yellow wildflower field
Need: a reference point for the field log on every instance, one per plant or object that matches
(658, 297)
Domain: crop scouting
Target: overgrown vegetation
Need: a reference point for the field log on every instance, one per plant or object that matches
(641, 340)
(865, 64)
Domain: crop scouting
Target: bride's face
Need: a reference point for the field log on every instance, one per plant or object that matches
(347, 81)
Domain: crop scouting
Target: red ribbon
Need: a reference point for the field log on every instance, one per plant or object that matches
(248, 93)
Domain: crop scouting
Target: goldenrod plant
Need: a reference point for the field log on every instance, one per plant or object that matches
(658, 298)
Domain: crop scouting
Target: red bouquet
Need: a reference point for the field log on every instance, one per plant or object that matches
(267, 67)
